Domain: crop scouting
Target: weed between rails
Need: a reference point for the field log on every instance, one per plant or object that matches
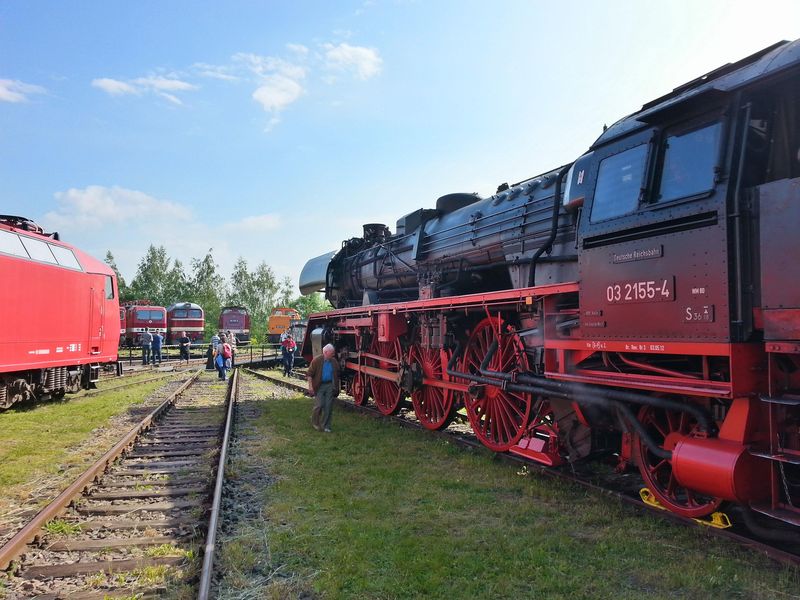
(376, 511)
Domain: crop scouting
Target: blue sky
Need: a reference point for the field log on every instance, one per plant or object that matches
(273, 130)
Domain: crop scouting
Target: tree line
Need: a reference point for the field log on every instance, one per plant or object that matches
(164, 281)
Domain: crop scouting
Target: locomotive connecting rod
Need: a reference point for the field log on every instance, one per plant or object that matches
(507, 383)
(579, 392)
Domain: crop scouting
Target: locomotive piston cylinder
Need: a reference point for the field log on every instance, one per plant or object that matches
(721, 469)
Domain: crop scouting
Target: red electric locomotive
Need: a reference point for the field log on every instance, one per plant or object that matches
(58, 314)
(139, 315)
(236, 319)
(643, 299)
(188, 317)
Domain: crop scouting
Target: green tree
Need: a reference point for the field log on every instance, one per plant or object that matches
(313, 303)
(206, 287)
(257, 291)
(121, 285)
(150, 279)
(176, 284)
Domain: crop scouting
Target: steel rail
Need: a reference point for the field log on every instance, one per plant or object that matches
(12, 549)
(211, 536)
(777, 554)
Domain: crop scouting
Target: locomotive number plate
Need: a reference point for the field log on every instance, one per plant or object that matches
(631, 292)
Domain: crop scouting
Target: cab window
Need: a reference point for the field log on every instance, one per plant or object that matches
(109, 288)
(689, 162)
(619, 184)
(11, 244)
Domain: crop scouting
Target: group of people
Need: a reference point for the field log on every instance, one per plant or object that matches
(152, 343)
(223, 351)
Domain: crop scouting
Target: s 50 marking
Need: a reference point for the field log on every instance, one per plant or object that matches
(630, 292)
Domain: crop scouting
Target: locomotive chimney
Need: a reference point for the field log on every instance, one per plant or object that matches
(375, 233)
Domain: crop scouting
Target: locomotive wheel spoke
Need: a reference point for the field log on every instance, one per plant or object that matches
(433, 406)
(657, 472)
(359, 389)
(499, 418)
(386, 394)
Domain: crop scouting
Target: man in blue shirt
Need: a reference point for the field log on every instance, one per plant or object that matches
(323, 385)
(156, 345)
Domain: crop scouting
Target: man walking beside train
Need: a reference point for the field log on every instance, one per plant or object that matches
(146, 341)
(323, 385)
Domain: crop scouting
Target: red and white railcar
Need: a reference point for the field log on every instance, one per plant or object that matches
(58, 314)
(188, 317)
(236, 319)
(139, 316)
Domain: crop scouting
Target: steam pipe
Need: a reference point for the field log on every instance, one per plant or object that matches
(548, 245)
(576, 391)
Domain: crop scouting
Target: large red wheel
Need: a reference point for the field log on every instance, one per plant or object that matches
(387, 394)
(359, 389)
(498, 417)
(667, 428)
(432, 405)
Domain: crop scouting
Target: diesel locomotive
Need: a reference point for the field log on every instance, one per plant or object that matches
(59, 314)
(643, 300)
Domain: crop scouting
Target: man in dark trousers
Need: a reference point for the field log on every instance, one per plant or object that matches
(323, 385)
(147, 339)
(184, 342)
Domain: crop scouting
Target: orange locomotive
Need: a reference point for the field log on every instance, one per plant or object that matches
(59, 314)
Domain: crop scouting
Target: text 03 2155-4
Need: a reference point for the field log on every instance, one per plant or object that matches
(654, 290)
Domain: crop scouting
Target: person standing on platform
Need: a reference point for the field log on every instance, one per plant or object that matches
(323, 385)
(156, 347)
(146, 340)
(184, 343)
(215, 341)
(288, 347)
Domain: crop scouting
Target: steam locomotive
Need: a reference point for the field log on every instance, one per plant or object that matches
(59, 314)
(642, 300)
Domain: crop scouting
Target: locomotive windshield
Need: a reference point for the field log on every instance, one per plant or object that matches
(153, 315)
(619, 183)
(689, 161)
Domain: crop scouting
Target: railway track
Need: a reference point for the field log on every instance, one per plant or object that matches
(132, 523)
(627, 489)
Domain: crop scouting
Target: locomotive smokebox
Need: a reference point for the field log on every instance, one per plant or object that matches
(721, 469)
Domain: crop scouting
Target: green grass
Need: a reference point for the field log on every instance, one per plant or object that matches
(376, 511)
(62, 527)
(36, 439)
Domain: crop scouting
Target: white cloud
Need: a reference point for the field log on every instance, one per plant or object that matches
(159, 85)
(365, 62)
(298, 49)
(277, 92)
(12, 90)
(214, 71)
(98, 205)
(264, 66)
(164, 84)
(255, 224)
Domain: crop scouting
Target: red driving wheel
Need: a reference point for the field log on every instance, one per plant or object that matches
(667, 428)
(387, 394)
(432, 405)
(498, 417)
(358, 389)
